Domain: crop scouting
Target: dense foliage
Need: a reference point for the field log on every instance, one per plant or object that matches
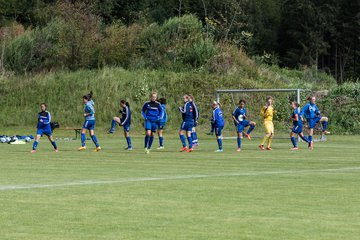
(37, 35)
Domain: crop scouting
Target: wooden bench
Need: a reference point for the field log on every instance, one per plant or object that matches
(77, 130)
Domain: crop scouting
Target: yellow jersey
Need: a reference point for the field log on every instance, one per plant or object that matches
(267, 112)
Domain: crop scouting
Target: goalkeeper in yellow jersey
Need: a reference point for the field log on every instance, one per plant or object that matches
(267, 112)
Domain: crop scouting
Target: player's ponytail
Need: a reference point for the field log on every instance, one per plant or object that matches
(88, 96)
(162, 100)
(125, 103)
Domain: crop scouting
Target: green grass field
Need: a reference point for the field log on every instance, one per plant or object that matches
(115, 194)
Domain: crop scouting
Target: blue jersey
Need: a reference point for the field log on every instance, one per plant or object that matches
(152, 111)
(196, 111)
(240, 115)
(125, 116)
(89, 109)
(217, 117)
(187, 112)
(44, 119)
(310, 111)
(164, 118)
(296, 112)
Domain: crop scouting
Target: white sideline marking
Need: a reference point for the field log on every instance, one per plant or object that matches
(146, 179)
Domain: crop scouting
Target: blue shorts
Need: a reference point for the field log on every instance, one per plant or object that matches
(312, 122)
(242, 125)
(41, 132)
(187, 126)
(126, 127)
(161, 125)
(297, 129)
(150, 125)
(89, 124)
(218, 130)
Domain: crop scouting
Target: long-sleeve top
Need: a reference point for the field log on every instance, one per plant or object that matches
(152, 111)
(44, 119)
(125, 116)
(165, 117)
(310, 111)
(217, 117)
(90, 110)
(187, 112)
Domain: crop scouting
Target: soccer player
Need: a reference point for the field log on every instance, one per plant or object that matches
(44, 127)
(89, 124)
(152, 112)
(196, 118)
(187, 125)
(267, 112)
(239, 116)
(162, 123)
(124, 121)
(312, 114)
(297, 126)
(218, 121)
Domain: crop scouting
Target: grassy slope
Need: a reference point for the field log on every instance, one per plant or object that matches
(20, 96)
(253, 198)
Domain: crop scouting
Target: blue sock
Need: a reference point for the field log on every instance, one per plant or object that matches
(195, 138)
(239, 142)
(147, 138)
(83, 139)
(212, 127)
(54, 144)
(161, 141)
(310, 138)
(219, 140)
(183, 141)
(293, 140)
(128, 140)
(93, 137)
(190, 141)
(113, 124)
(252, 127)
(35, 144)
(324, 125)
(305, 138)
(150, 142)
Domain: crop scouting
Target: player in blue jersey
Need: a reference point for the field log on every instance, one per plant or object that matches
(124, 121)
(152, 112)
(297, 126)
(187, 112)
(162, 123)
(312, 114)
(89, 124)
(218, 121)
(239, 116)
(194, 136)
(44, 127)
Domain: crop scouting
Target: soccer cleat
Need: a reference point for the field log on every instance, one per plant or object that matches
(82, 148)
(128, 149)
(56, 150)
(110, 132)
(190, 150)
(33, 151)
(97, 149)
(147, 151)
(160, 148)
(323, 138)
(261, 147)
(294, 148)
(219, 150)
(238, 150)
(326, 132)
(195, 144)
(269, 148)
(184, 149)
(210, 133)
(248, 136)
